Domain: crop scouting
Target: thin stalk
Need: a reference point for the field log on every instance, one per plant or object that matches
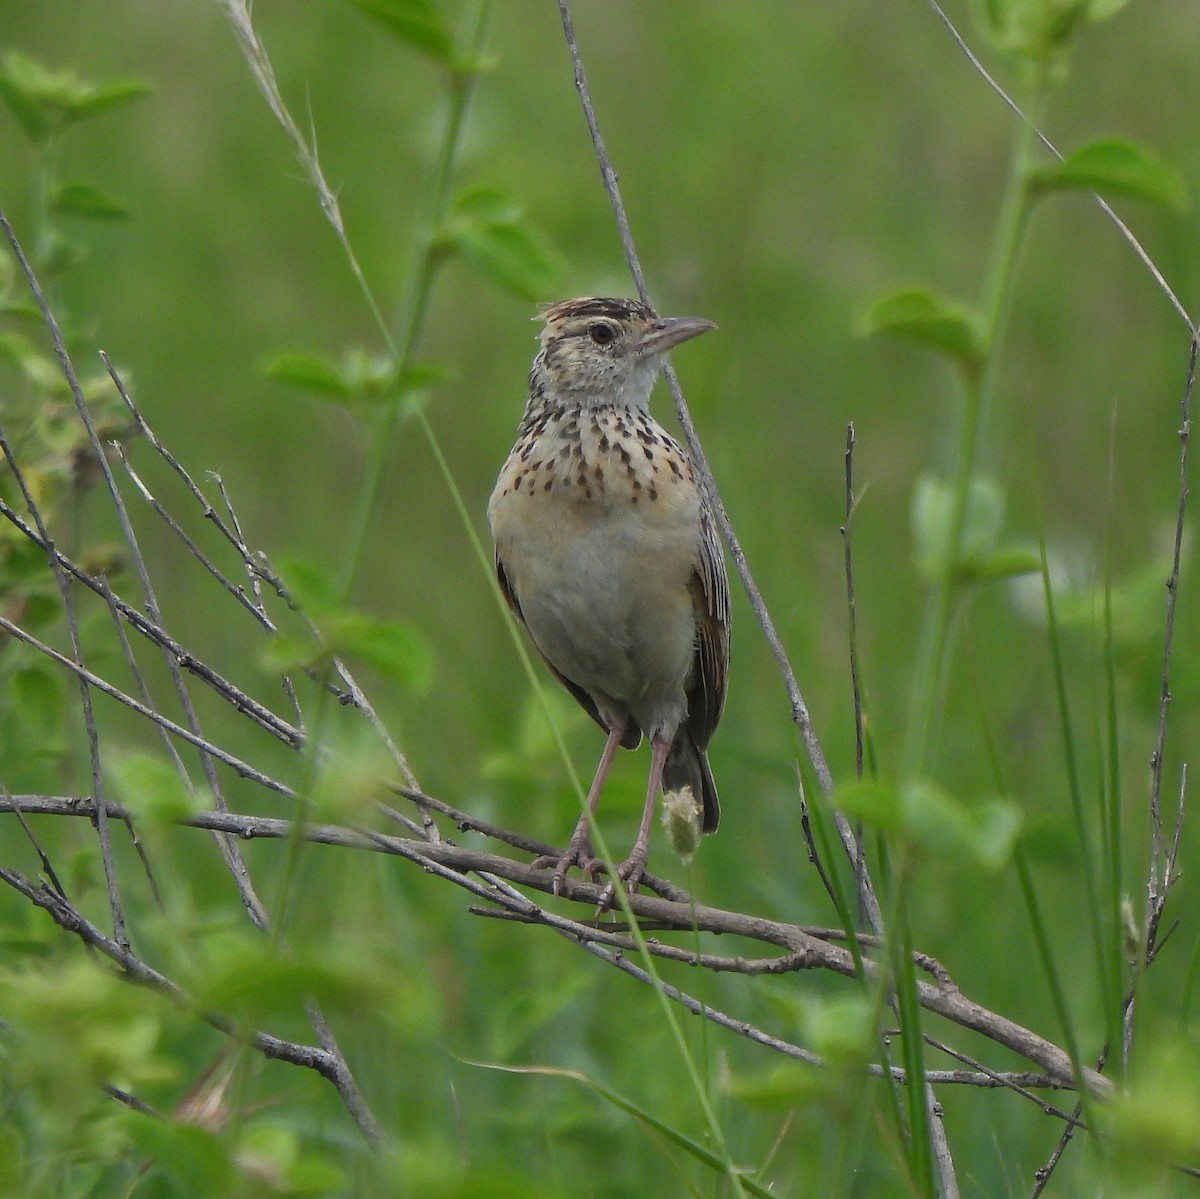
(415, 308)
(1054, 979)
(1095, 910)
(980, 384)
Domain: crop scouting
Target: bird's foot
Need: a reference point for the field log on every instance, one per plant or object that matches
(630, 873)
(579, 853)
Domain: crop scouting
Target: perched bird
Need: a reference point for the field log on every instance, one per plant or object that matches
(606, 553)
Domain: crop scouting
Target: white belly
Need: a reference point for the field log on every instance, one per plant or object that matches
(604, 590)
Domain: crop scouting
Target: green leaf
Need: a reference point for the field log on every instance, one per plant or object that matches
(512, 256)
(921, 318)
(311, 585)
(416, 23)
(400, 651)
(1007, 562)
(487, 228)
(932, 821)
(490, 205)
(1043, 30)
(95, 101)
(152, 790)
(82, 200)
(45, 102)
(841, 1029)
(978, 558)
(782, 1087)
(309, 372)
(284, 654)
(357, 378)
(1115, 168)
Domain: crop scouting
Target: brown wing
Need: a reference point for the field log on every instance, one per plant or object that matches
(710, 676)
(633, 735)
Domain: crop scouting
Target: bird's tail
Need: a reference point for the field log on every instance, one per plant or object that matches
(687, 766)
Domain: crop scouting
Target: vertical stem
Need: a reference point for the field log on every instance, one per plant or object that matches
(979, 386)
(415, 308)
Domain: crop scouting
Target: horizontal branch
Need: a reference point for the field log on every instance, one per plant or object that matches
(802, 947)
(137, 971)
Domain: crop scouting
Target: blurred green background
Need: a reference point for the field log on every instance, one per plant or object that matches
(783, 166)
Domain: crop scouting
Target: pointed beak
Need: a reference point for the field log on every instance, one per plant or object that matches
(667, 333)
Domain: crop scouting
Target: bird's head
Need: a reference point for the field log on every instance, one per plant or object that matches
(599, 351)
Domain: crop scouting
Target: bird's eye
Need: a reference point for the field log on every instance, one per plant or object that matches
(601, 334)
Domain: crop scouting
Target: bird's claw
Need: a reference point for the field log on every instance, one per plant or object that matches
(630, 873)
(578, 854)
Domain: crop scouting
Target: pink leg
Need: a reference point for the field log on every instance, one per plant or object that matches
(579, 852)
(630, 870)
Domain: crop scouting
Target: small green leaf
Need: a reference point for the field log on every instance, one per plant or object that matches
(359, 377)
(400, 651)
(1115, 168)
(921, 318)
(284, 654)
(152, 790)
(978, 558)
(309, 372)
(45, 102)
(512, 256)
(1007, 562)
(487, 228)
(932, 821)
(311, 585)
(489, 205)
(417, 23)
(841, 1029)
(95, 101)
(81, 200)
(784, 1086)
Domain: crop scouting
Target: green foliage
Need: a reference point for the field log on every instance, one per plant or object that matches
(398, 650)
(918, 316)
(415, 23)
(45, 102)
(922, 817)
(1115, 168)
(980, 554)
(1043, 30)
(489, 230)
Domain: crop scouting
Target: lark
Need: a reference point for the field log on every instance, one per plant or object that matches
(606, 553)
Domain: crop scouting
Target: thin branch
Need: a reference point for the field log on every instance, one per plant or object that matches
(1156, 759)
(456, 864)
(137, 971)
(64, 590)
(243, 769)
(233, 695)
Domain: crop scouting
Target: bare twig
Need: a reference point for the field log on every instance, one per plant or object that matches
(456, 864)
(243, 769)
(233, 695)
(1156, 759)
(135, 970)
(60, 579)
